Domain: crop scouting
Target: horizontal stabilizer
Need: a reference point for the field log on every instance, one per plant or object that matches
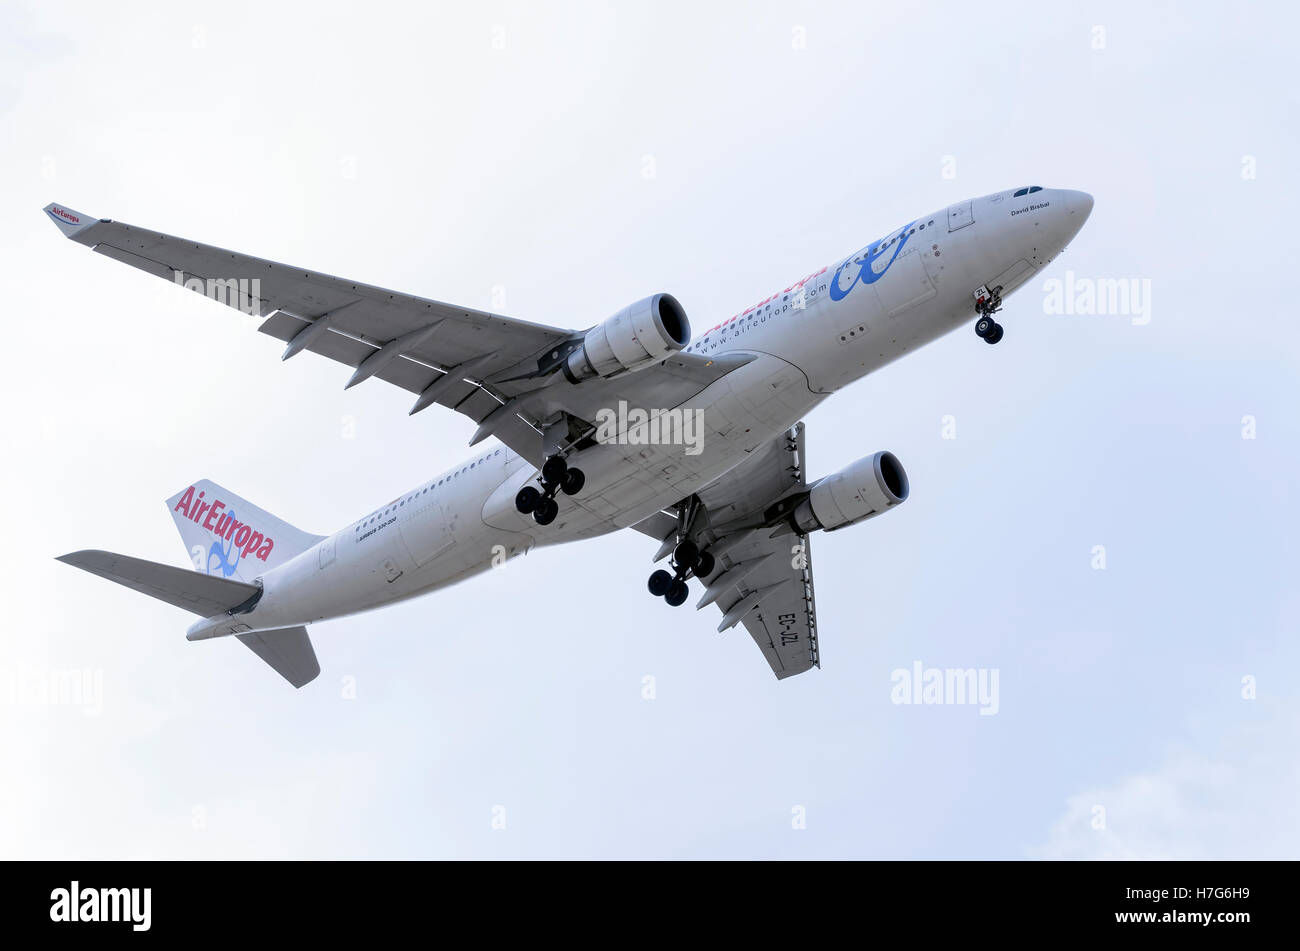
(288, 651)
(203, 594)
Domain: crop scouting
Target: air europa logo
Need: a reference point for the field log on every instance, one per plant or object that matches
(213, 516)
(866, 262)
(65, 215)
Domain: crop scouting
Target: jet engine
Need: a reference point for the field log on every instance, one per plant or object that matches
(857, 492)
(636, 337)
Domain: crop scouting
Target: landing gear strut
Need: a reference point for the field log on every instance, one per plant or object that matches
(987, 303)
(557, 475)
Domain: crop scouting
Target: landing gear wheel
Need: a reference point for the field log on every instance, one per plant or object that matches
(553, 470)
(704, 567)
(660, 582)
(527, 499)
(994, 335)
(677, 593)
(686, 554)
(984, 326)
(573, 481)
(546, 511)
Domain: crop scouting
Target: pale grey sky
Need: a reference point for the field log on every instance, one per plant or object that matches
(576, 158)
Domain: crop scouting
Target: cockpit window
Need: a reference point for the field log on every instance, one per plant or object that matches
(1028, 190)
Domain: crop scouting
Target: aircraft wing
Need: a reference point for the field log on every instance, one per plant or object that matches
(763, 576)
(468, 360)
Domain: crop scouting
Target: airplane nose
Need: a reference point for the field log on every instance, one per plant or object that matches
(1078, 204)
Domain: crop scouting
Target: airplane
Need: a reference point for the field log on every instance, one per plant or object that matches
(694, 441)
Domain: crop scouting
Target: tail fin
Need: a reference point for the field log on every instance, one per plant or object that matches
(230, 537)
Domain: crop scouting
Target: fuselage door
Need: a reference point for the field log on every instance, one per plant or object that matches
(960, 215)
(906, 283)
(426, 531)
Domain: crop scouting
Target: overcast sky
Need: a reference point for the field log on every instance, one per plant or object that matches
(555, 162)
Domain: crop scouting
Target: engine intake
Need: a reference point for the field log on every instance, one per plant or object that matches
(636, 337)
(858, 492)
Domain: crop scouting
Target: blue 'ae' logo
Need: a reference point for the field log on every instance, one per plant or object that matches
(227, 558)
(867, 274)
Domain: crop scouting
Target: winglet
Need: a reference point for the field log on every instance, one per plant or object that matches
(70, 222)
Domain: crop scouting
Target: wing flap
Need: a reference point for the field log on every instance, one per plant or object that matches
(156, 268)
(784, 623)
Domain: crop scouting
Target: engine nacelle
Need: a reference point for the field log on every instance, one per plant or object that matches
(856, 493)
(636, 337)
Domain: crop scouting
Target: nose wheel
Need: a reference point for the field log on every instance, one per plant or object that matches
(557, 476)
(988, 329)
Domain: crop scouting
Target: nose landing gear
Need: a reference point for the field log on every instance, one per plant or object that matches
(557, 475)
(987, 303)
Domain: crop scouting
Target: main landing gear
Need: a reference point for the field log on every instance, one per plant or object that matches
(987, 303)
(557, 476)
(688, 561)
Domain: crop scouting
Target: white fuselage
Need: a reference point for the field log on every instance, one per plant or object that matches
(810, 339)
